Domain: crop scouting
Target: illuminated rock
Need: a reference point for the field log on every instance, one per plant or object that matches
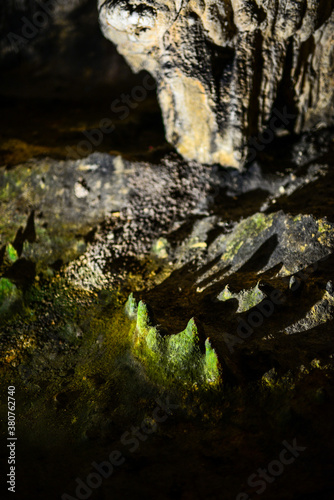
(230, 73)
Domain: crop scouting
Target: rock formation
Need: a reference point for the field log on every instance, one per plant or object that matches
(230, 73)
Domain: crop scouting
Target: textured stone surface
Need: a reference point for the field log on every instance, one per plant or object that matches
(226, 68)
(62, 216)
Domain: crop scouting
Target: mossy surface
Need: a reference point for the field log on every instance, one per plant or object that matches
(131, 308)
(182, 359)
(11, 253)
(9, 295)
(244, 232)
(246, 298)
(7, 289)
(324, 226)
(67, 350)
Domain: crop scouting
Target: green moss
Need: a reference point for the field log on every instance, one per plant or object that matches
(260, 221)
(143, 319)
(247, 229)
(250, 298)
(85, 364)
(176, 359)
(226, 294)
(211, 365)
(232, 250)
(324, 226)
(52, 245)
(246, 298)
(131, 307)
(183, 354)
(11, 253)
(7, 289)
(9, 294)
(275, 384)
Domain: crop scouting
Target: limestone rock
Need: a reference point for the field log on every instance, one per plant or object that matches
(229, 70)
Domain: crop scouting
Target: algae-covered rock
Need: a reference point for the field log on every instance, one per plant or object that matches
(11, 253)
(246, 298)
(263, 241)
(174, 359)
(9, 294)
(60, 219)
(131, 306)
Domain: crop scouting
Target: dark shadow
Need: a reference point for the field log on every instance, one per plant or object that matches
(261, 257)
